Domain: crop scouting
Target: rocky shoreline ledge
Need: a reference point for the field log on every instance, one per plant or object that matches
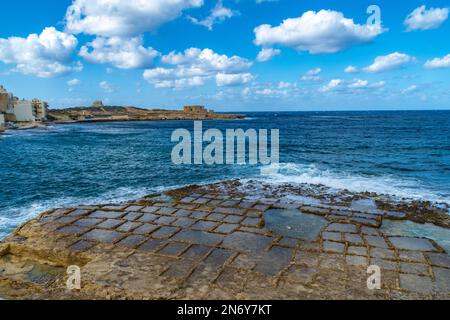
(230, 240)
(100, 113)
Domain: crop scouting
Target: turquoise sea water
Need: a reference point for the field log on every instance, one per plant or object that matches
(405, 154)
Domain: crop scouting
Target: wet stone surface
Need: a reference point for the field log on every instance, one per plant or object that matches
(103, 235)
(412, 244)
(294, 223)
(216, 245)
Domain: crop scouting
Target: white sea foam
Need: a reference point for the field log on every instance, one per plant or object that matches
(387, 185)
(11, 218)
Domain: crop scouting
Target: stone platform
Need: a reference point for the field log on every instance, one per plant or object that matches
(215, 246)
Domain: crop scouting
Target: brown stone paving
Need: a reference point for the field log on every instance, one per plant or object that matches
(212, 246)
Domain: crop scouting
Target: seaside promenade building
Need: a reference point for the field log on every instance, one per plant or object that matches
(22, 112)
(6, 108)
(40, 110)
(6, 105)
(2, 122)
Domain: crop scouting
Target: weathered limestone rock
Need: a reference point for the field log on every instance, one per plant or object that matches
(212, 245)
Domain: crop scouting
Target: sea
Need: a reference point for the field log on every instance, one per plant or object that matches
(405, 154)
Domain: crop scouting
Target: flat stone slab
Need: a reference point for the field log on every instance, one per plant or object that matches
(72, 230)
(152, 245)
(442, 279)
(128, 227)
(103, 235)
(274, 261)
(174, 249)
(88, 222)
(165, 232)
(376, 241)
(333, 247)
(81, 245)
(357, 261)
(106, 214)
(382, 253)
(415, 268)
(358, 251)
(415, 244)
(342, 227)
(199, 237)
(145, 229)
(294, 223)
(132, 241)
(440, 259)
(196, 252)
(110, 224)
(416, 283)
(243, 241)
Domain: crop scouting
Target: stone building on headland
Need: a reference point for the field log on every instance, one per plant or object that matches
(97, 104)
(195, 110)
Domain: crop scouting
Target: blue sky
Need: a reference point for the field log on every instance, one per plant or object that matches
(160, 55)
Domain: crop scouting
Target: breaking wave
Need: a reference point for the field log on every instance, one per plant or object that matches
(401, 188)
(12, 217)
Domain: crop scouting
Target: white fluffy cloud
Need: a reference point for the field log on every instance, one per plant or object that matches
(194, 67)
(284, 85)
(262, 1)
(228, 80)
(358, 83)
(267, 54)
(392, 61)
(119, 52)
(45, 55)
(73, 82)
(123, 18)
(312, 75)
(423, 19)
(351, 69)
(262, 91)
(332, 85)
(411, 89)
(325, 31)
(352, 86)
(218, 14)
(438, 63)
(364, 84)
(106, 86)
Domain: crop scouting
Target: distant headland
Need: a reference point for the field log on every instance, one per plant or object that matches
(101, 113)
(18, 113)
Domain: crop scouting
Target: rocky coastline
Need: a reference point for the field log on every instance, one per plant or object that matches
(230, 240)
(102, 113)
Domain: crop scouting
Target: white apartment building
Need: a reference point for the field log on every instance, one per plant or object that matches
(23, 110)
(2, 122)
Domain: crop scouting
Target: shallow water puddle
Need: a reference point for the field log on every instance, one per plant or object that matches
(44, 274)
(27, 270)
(413, 229)
(294, 223)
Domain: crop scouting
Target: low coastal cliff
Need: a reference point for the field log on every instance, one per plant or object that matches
(112, 113)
